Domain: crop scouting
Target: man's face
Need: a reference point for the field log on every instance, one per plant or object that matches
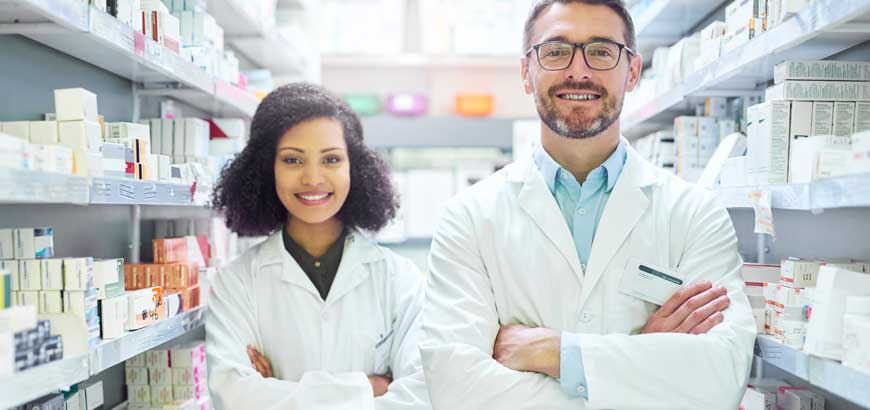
(579, 102)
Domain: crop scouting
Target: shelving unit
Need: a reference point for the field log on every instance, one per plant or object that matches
(826, 374)
(664, 22)
(60, 375)
(34, 383)
(100, 39)
(420, 61)
(849, 191)
(825, 28)
(255, 39)
(386, 131)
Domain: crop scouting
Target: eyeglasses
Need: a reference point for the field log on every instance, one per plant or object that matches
(599, 55)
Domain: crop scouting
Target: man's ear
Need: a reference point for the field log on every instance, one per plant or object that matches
(527, 81)
(634, 70)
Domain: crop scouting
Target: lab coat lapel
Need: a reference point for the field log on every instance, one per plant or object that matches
(358, 251)
(625, 207)
(274, 253)
(538, 202)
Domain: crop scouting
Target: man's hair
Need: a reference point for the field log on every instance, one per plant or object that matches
(618, 6)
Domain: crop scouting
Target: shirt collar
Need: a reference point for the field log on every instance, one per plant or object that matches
(549, 168)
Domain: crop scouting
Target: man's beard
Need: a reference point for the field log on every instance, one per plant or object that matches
(572, 125)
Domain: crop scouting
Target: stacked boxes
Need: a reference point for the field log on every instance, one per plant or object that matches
(32, 342)
(696, 140)
(169, 378)
(835, 284)
(790, 301)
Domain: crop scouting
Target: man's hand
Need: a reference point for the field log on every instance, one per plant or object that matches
(528, 349)
(259, 362)
(694, 309)
(380, 384)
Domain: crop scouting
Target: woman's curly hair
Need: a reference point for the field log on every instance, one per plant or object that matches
(246, 194)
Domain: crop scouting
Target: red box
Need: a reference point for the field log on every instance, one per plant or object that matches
(181, 275)
(189, 296)
(170, 250)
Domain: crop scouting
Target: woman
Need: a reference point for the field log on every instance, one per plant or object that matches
(317, 316)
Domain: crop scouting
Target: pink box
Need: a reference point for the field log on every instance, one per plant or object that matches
(406, 104)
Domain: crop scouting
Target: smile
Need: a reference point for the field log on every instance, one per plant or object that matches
(579, 97)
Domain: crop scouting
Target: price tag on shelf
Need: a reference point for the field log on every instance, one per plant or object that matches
(761, 203)
(153, 52)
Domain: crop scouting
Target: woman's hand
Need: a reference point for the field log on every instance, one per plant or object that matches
(380, 384)
(259, 362)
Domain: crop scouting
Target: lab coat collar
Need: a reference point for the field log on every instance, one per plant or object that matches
(626, 206)
(358, 251)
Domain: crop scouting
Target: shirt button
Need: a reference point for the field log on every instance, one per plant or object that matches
(581, 389)
(581, 211)
(586, 317)
(317, 264)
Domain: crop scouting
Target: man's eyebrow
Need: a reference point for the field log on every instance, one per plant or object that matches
(595, 38)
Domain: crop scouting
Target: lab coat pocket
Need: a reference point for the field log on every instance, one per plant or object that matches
(382, 353)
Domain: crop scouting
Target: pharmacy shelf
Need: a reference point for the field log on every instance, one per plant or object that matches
(420, 61)
(113, 352)
(34, 383)
(849, 191)
(102, 40)
(31, 187)
(123, 191)
(256, 40)
(421, 132)
(661, 23)
(823, 373)
(825, 28)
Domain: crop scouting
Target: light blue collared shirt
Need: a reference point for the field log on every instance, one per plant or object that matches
(582, 206)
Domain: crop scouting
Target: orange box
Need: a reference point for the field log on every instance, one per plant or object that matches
(189, 296)
(474, 105)
(135, 277)
(181, 275)
(170, 250)
(156, 274)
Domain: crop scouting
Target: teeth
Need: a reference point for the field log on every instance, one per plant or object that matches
(313, 197)
(580, 97)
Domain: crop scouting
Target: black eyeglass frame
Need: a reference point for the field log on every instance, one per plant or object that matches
(581, 46)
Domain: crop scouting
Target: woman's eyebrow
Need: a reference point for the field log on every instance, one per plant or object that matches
(299, 150)
(331, 149)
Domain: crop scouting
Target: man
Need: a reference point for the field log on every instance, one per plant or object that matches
(528, 303)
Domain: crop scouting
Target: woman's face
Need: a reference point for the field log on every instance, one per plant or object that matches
(312, 170)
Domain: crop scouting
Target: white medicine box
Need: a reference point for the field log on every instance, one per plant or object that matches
(74, 104)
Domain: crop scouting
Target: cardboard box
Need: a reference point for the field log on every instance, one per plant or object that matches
(138, 360)
(862, 117)
(825, 329)
(24, 243)
(75, 104)
(182, 376)
(44, 132)
(180, 275)
(7, 244)
(832, 163)
(801, 125)
(170, 250)
(804, 155)
(50, 301)
(190, 297)
(159, 375)
(29, 298)
(128, 131)
(12, 266)
(844, 119)
(43, 242)
(136, 375)
(139, 394)
(18, 129)
(30, 275)
(823, 118)
(179, 137)
(81, 134)
(821, 71)
(161, 394)
(157, 359)
(167, 137)
(146, 307)
(819, 91)
(190, 355)
(108, 278)
(768, 142)
(52, 274)
(78, 273)
(113, 318)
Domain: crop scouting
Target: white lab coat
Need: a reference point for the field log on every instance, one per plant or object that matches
(321, 352)
(503, 254)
